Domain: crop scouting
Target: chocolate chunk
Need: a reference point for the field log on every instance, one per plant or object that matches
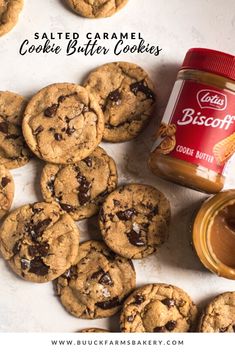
(106, 279)
(70, 130)
(142, 87)
(116, 203)
(153, 213)
(115, 96)
(135, 238)
(168, 302)
(223, 329)
(25, 264)
(88, 161)
(130, 318)
(97, 274)
(84, 193)
(67, 208)
(38, 130)
(16, 247)
(36, 230)
(159, 329)
(109, 304)
(39, 249)
(71, 273)
(4, 127)
(231, 223)
(61, 99)
(12, 137)
(170, 326)
(126, 215)
(51, 129)
(51, 186)
(58, 137)
(5, 181)
(139, 299)
(38, 267)
(51, 111)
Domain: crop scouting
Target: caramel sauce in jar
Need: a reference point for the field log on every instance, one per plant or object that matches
(214, 234)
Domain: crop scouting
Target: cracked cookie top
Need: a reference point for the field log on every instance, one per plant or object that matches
(9, 13)
(126, 95)
(99, 282)
(80, 188)
(39, 241)
(158, 308)
(134, 220)
(96, 8)
(14, 152)
(219, 315)
(63, 123)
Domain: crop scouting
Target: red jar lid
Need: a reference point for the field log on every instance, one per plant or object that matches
(212, 61)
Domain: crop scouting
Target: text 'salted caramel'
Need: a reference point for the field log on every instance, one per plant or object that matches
(196, 138)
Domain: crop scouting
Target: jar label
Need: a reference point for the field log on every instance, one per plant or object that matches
(198, 125)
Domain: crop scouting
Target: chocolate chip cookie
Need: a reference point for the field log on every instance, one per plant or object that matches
(80, 188)
(134, 220)
(158, 308)
(97, 285)
(63, 123)
(14, 152)
(94, 330)
(96, 8)
(219, 315)
(6, 190)
(9, 13)
(126, 96)
(39, 241)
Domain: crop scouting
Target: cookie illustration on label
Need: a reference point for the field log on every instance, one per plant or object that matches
(224, 149)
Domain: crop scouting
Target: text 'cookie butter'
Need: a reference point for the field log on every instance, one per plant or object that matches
(214, 234)
(197, 136)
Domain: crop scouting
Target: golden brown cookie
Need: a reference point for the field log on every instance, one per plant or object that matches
(93, 330)
(63, 123)
(134, 220)
(126, 95)
(9, 13)
(219, 315)
(96, 8)
(14, 152)
(80, 188)
(39, 241)
(97, 285)
(158, 308)
(6, 190)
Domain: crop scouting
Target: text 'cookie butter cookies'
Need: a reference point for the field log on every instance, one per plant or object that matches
(97, 285)
(39, 241)
(63, 123)
(219, 315)
(158, 308)
(80, 188)
(14, 152)
(96, 8)
(9, 13)
(126, 96)
(134, 220)
(6, 190)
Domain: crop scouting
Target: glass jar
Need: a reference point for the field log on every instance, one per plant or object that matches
(214, 234)
(196, 138)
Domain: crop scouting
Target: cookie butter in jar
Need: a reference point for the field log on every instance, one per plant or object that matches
(214, 234)
(197, 136)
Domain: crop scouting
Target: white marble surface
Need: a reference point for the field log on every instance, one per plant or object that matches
(175, 25)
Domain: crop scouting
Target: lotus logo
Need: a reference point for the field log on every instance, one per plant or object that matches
(212, 99)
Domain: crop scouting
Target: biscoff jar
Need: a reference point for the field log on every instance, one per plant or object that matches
(196, 138)
(214, 234)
